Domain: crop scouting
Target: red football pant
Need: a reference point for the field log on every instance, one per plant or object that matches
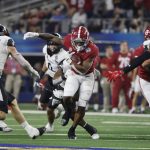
(117, 86)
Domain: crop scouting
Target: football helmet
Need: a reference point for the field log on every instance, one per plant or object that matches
(52, 47)
(80, 38)
(147, 33)
(3, 30)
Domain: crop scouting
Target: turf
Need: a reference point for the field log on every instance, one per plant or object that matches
(117, 132)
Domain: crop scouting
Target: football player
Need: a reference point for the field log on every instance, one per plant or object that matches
(7, 46)
(80, 76)
(51, 95)
(119, 60)
(143, 64)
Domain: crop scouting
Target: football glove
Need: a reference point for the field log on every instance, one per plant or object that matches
(30, 35)
(113, 75)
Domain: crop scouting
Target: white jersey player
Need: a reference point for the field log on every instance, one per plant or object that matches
(51, 95)
(7, 46)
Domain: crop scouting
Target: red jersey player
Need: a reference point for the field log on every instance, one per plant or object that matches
(119, 60)
(81, 75)
(143, 61)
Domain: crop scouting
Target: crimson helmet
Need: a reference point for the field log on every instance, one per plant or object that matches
(80, 38)
(147, 33)
(3, 31)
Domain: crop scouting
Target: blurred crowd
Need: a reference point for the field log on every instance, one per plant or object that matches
(108, 16)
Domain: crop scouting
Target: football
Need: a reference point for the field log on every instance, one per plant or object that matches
(76, 59)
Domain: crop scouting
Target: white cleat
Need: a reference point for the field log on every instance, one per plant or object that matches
(49, 128)
(132, 111)
(115, 110)
(95, 136)
(35, 132)
(4, 127)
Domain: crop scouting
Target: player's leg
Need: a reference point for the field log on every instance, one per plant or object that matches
(116, 87)
(71, 87)
(145, 88)
(3, 125)
(46, 93)
(137, 90)
(9, 82)
(106, 94)
(3, 110)
(86, 89)
(126, 88)
(134, 103)
(17, 85)
(143, 105)
(19, 117)
(53, 103)
(90, 129)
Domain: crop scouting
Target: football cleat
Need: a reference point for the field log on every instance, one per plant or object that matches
(4, 127)
(36, 132)
(95, 136)
(115, 110)
(41, 132)
(71, 134)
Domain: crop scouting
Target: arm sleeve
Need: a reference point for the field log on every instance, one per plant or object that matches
(136, 62)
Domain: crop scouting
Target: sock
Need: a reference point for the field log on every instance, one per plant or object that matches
(25, 124)
(48, 125)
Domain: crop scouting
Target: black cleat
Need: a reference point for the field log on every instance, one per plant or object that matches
(92, 131)
(71, 134)
(41, 132)
(65, 119)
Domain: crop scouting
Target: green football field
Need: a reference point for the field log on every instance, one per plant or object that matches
(121, 131)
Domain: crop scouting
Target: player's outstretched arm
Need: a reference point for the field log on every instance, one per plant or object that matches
(137, 61)
(22, 61)
(44, 36)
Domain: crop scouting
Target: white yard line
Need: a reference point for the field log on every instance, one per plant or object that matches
(62, 134)
(91, 113)
(126, 123)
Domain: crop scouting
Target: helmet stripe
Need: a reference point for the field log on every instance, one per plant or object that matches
(79, 31)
